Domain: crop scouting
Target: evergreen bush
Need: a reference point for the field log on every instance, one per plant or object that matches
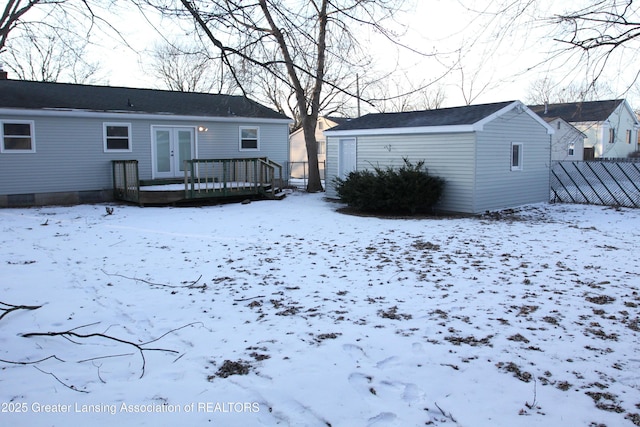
(408, 189)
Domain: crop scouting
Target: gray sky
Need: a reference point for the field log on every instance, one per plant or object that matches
(483, 56)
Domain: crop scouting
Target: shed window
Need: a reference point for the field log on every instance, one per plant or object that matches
(17, 137)
(249, 138)
(571, 149)
(628, 136)
(117, 136)
(612, 135)
(516, 156)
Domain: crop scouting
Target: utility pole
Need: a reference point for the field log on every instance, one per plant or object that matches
(358, 92)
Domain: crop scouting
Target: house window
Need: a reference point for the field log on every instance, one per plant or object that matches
(571, 149)
(558, 125)
(321, 147)
(117, 136)
(516, 156)
(17, 137)
(612, 135)
(628, 136)
(249, 138)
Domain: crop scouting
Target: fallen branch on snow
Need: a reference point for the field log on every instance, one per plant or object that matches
(70, 387)
(445, 414)
(53, 356)
(11, 307)
(191, 285)
(71, 333)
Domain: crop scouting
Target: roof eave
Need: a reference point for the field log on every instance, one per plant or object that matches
(401, 130)
(134, 115)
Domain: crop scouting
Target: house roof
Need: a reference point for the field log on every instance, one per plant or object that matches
(337, 120)
(457, 119)
(588, 111)
(20, 94)
(467, 115)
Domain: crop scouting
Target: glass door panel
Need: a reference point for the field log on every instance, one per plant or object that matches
(163, 151)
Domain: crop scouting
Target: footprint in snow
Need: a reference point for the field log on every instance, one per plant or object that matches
(355, 351)
(417, 348)
(382, 419)
(387, 362)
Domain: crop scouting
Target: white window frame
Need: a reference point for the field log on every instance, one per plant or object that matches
(240, 139)
(518, 166)
(571, 149)
(32, 135)
(629, 136)
(105, 125)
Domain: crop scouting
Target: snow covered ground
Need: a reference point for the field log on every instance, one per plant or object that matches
(290, 313)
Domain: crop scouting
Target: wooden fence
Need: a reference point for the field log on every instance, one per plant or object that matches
(126, 182)
(596, 182)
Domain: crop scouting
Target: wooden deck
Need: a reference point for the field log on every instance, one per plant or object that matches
(204, 180)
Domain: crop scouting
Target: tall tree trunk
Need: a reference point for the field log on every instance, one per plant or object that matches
(314, 184)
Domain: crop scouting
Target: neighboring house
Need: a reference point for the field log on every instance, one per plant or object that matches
(298, 148)
(491, 156)
(567, 143)
(57, 141)
(611, 127)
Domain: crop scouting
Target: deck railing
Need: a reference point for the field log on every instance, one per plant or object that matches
(126, 182)
(228, 177)
(272, 173)
(204, 178)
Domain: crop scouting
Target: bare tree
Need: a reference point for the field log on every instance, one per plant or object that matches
(11, 17)
(185, 68)
(394, 94)
(52, 55)
(292, 41)
(601, 30)
(547, 90)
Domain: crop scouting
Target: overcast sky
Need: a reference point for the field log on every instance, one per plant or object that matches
(484, 57)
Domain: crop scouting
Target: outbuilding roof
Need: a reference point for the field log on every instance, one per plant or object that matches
(466, 115)
(587, 111)
(21, 94)
(468, 118)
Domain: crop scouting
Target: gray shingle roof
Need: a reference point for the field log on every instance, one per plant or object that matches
(43, 95)
(588, 111)
(442, 117)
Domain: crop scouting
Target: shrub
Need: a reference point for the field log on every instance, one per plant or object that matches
(408, 189)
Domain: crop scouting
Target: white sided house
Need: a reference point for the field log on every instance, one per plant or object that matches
(491, 156)
(58, 141)
(567, 142)
(610, 127)
(298, 149)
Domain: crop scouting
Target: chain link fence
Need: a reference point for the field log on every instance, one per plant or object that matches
(298, 173)
(608, 183)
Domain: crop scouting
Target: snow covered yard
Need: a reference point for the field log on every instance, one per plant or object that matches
(290, 313)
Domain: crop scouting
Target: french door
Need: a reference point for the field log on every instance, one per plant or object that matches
(172, 146)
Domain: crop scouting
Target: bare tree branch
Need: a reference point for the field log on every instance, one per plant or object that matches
(68, 334)
(8, 308)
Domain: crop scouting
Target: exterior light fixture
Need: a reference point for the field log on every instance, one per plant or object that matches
(202, 129)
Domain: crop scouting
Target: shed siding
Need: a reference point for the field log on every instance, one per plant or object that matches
(70, 153)
(331, 167)
(449, 156)
(497, 186)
